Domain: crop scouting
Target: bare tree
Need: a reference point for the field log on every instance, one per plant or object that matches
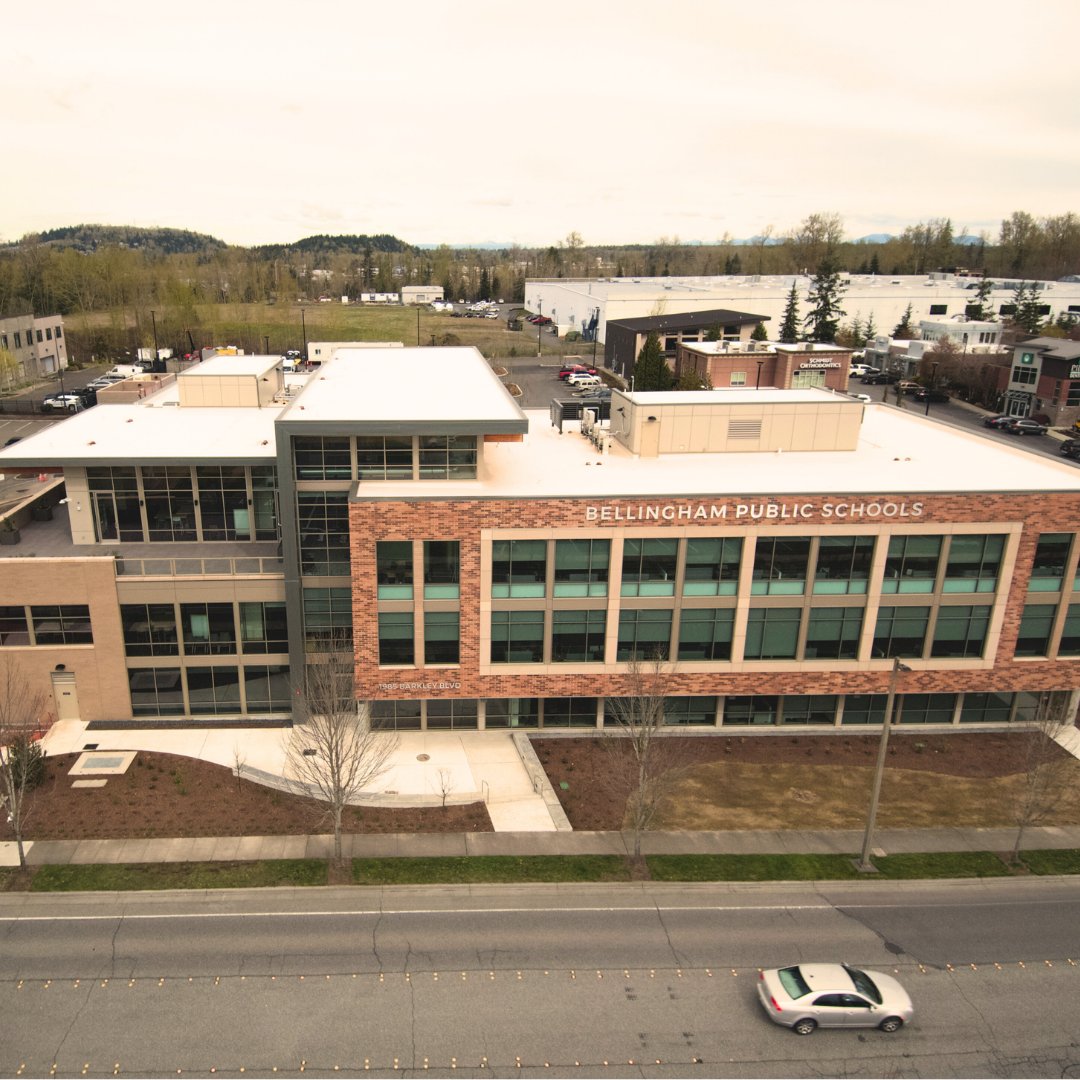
(1046, 766)
(334, 754)
(644, 760)
(445, 785)
(21, 708)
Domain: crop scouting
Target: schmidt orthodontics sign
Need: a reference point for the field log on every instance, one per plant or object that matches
(754, 511)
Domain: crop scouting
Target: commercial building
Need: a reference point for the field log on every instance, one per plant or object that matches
(37, 344)
(765, 363)
(781, 550)
(1045, 380)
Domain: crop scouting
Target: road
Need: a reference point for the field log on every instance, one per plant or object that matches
(604, 980)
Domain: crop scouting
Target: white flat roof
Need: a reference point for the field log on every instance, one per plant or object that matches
(231, 365)
(898, 452)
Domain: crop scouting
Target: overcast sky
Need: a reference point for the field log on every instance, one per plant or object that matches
(622, 120)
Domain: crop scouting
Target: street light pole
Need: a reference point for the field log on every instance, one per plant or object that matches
(539, 328)
(933, 379)
(303, 324)
(757, 385)
(595, 335)
(879, 770)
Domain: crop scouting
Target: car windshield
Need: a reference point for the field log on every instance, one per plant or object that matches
(864, 984)
(793, 983)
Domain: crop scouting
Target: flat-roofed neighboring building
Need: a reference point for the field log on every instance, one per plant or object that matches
(37, 344)
(761, 363)
(778, 550)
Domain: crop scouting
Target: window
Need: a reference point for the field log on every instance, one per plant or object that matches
(1036, 625)
(512, 713)
(442, 637)
(18, 339)
(13, 626)
(986, 708)
(833, 633)
(451, 714)
(223, 502)
(801, 710)
(960, 632)
(262, 627)
(1025, 376)
(149, 630)
(772, 633)
(38, 332)
(114, 495)
(705, 633)
(327, 619)
(973, 563)
(264, 501)
(900, 631)
(843, 564)
(1048, 565)
(649, 567)
(780, 565)
(213, 690)
(911, 566)
(324, 532)
(48, 333)
(170, 503)
(208, 629)
(267, 688)
(517, 637)
(864, 709)
(939, 309)
(395, 715)
(518, 568)
(59, 333)
(581, 567)
(65, 624)
(644, 634)
(925, 708)
(442, 569)
(394, 569)
(738, 378)
(384, 457)
(322, 458)
(155, 692)
(684, 711)
(712, 566)
(1070, 633)
(570, 712)
(396, 644)
(578, 636)
(754, 710)
(447, 457)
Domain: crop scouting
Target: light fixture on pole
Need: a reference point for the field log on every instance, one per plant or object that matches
(757, 385)
(879, 770)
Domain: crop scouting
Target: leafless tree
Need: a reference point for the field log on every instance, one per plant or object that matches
(334, 754)
(1046, 767)
(645, 761)
(445, 785)
(21, 709)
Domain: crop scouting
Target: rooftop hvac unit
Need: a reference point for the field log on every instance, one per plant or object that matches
(588, 421)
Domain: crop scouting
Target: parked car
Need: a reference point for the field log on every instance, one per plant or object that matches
(584, 379)
(810, 996)
(907, 386)
(878, 378)
(70, 403)
(576, 369)
(926, 394)
(1070, 448)
(1024, 426)
(857, 370)
(540, 320)
(866, 399)
(998, 421)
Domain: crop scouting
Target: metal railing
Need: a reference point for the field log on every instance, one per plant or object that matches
(218, 566)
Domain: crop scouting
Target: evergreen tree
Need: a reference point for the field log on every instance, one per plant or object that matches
(760, 333)
(1027, 315)
(874, 266)
(485, 285)
(826, 289)
(714, 333)
(789, 327)
(905, 328)
(980, 310)
(651, 371)
(870, 330)
(733, 264)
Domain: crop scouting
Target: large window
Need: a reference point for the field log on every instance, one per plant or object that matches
(63, 624)
(517, 637)
(986, 708)
(13, 626)
(843, 564)
(686, 711)
(324, 532)
(1036, 626)
(394, 569)
(396, 638)
(780, 565)
(1070, 632)
(396, 715)
(327, 619)
(712, 566)
(751, 711)
(266, 688)
(805, 709)
(170, 502)
(213, 691)
(570, 712)
(973, 563)
(518, 568)
(322, 458)
(442, 637)
(223, 502)
(1048, 565)
(578, 636)
(447, 457)
(772, 633)
(149, 630)
(900, 631)
(114, 497)
(960, 632)
(644, 634)
(581, 567)
(705, 633)
(451, 713)
(263, 627)
(208, 629)
(926, 708)
(649, 567)
(512, 713)
(384, 457)
(156, 692)
(911, 566)
(442, 569)
(833, 633)
(864, 709)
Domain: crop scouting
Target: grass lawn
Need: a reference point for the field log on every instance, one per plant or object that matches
(201, 875)
(490, 869)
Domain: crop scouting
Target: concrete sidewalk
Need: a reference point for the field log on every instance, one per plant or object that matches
(414, 845)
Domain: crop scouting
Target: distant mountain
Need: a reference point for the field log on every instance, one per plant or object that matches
(875, 238)
(88, 238)
(323, 244)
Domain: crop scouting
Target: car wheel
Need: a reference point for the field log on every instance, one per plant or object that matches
(72, 408)
(804, 1027)
(891, 1024)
